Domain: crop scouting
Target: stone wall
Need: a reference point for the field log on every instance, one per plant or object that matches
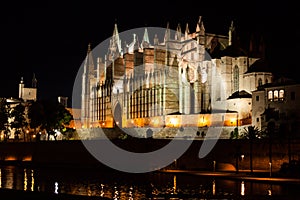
(74, 153)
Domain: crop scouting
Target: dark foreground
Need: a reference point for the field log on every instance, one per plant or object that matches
(20, 194)
(59, 155)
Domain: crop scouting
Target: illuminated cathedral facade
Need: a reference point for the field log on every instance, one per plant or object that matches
(188, 79)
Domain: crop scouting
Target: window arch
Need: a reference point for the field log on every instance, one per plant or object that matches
(236, 78)
(270, 96)
(281, 95)
(276, 95)
(259, 82)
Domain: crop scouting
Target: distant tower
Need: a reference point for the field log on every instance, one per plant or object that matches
(28, 93)
(231, 33)
(34, 81)
(262, 48)
(21, 86)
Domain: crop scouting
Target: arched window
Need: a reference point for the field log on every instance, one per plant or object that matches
(259, 82)
(236, 78)
(270, 96)
(281, 95)
(267, 81)
(275, 95)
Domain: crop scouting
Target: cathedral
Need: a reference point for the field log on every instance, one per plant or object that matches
(182, 79)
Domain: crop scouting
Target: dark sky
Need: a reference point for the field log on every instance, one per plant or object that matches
(50, 38)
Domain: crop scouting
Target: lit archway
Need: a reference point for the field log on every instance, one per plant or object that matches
(118, 115)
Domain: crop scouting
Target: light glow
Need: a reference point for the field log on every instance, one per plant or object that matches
(214, 187)
(32, 180)
(174, 122)
(25, 180)
(242, 188)
(10, 158)
(56, 188)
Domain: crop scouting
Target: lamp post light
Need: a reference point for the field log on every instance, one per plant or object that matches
(214, 165)
(270, 168)
(26, 135)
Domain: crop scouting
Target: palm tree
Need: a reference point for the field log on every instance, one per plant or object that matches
(291, 136)
(271, 131)
(251, 133)
(234, 135)
(271, 135)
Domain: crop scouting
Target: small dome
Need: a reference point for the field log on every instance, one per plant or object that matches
(240, 94)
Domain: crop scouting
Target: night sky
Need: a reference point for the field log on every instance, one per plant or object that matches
(50, 38)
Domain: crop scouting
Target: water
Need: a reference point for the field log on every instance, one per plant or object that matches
(118, 185)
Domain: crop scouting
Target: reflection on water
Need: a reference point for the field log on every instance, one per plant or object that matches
(28, 179)
(242, 188)
(127, 186)
(214, 187)
(56, 188)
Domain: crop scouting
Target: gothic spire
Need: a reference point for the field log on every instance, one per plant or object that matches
(34, 81)
(252, 52)
(145, 42)
(89, 63)
(167, 33)
(89, 48)
(115, 43)
(137, 43)
(187, 31)
(231, 33)
(202, 29)
(262, 48)
(146, 36)
(178, 32)
(198, 24)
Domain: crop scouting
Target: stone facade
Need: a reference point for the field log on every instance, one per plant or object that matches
(277, 105)
(187, 80)
(28, 93)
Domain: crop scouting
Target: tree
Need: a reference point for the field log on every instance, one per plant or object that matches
(19, 120)
(49, 115)
(64, 117)
(4, 115)
(234, 134)
(251, 133)
(36, 116)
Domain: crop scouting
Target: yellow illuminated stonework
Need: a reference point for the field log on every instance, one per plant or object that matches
(149, 85)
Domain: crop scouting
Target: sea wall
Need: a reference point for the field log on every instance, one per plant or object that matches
(73, 153)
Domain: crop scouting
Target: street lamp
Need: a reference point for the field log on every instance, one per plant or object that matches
(270, 168)
(214, 167)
